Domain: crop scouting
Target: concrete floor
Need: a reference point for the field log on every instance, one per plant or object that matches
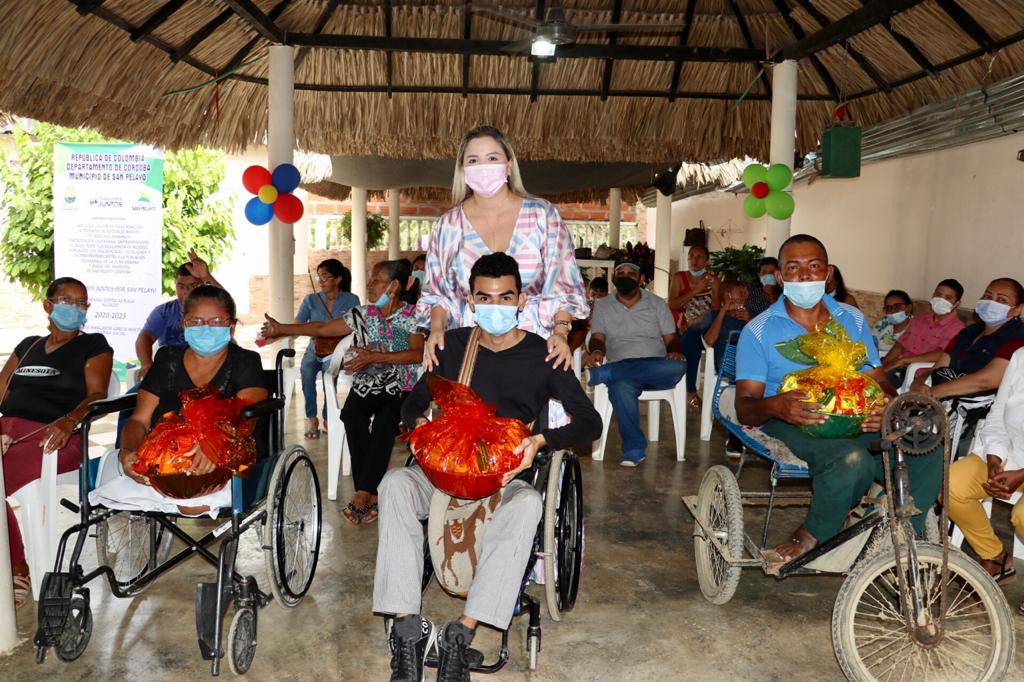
(640, 615)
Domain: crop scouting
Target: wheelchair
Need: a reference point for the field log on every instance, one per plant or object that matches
(908, 608)
(558, 543)
(280, 499)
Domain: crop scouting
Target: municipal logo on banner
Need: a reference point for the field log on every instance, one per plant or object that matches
(37, 371)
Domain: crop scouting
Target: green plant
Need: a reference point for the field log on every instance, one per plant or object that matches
(737, 263)
(376, 229)
(191, 218)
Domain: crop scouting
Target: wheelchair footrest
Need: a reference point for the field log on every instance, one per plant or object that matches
(473, 657)
(54, 607)
(207, 616)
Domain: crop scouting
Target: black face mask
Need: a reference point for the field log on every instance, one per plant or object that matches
(626, 286)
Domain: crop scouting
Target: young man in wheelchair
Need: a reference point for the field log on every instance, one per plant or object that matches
(841, 469)
(511, 373)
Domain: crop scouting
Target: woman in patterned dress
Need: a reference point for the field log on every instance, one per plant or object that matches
(492, 212)
(385, 360)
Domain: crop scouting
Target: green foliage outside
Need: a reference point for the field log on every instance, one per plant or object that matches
(737, 263)
(191, 217)
(376, 230)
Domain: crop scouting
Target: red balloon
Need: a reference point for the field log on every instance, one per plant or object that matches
(760, 190)
(288, 209)
(255, 177)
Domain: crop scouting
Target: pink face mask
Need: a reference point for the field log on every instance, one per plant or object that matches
(486, 179)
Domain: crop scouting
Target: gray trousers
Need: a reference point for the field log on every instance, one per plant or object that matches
(404, 501)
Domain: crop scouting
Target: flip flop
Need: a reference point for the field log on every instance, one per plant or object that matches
(22, 590)
(312, 431)
(353, 513)
(370, 513)
(1006, 573)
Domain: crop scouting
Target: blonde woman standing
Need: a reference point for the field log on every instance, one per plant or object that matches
(492, 212)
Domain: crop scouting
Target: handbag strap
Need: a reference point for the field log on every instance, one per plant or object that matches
(320, 297)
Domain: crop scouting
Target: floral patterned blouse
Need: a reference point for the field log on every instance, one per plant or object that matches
(384, 334)
(540, 243)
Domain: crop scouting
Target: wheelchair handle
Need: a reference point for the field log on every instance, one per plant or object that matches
(101, 408)
(262, 408)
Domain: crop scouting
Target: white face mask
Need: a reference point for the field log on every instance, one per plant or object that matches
(941, 306)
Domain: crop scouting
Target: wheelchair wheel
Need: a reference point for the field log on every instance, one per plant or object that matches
(124, 542)
(720, 509)
(870, 638)
(563, 533)
(77, 631)
(292, 527)
(533, 650)
(242, 640)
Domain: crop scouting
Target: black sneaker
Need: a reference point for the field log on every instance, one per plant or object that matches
(453, 652)
(411, 638)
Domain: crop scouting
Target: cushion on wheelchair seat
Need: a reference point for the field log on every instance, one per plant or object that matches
(455, 535)
(774, 449)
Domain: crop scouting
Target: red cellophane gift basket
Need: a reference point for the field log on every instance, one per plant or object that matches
(209, 423)
(468, 449)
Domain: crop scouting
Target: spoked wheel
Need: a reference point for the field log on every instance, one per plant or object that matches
(872, 642)
(563, 533)
(720, 509)
(77, 630)
(292, 529)
(242, 640)
(124, 542)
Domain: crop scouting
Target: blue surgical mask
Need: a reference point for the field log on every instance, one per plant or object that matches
(804, 294)
(67, 317)
(897, 318)
(497, 319)
(420, 276)
(991, 313)
(382, 301)
(206, 340)
(698, 273)
(768, 280)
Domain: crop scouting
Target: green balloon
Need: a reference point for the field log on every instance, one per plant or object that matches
(778, 176)
(779, 204)
(753, 174)
(754, 207)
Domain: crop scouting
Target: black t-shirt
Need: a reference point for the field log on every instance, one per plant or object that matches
(46, 386)
(519, 382)
(967, 355)
(167, 378)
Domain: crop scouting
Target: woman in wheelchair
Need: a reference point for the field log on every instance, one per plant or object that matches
(46, 386)
(211, 358)
(511, 373)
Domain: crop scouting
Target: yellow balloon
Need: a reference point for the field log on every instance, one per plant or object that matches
(267, 194)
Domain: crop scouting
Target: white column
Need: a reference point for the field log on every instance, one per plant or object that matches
(359, 243)
(783, 141)
(614, 216)
(280, 147)
(8, 622)
(394, 223)
(662, 243)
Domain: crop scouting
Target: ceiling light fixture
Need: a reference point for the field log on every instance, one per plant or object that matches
(542, 47)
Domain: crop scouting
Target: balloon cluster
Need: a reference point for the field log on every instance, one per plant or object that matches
(768, 191)
(273, 194)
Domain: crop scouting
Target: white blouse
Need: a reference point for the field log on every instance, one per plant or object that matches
(1003, 432)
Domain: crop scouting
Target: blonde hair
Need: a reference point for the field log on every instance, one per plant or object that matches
(515, 181)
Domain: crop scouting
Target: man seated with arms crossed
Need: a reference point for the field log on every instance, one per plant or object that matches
(634, 331)
(512, 374)
(841, 469)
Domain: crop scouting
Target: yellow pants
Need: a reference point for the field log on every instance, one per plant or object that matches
(965, 495)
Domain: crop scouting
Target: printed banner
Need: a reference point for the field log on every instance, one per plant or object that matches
(108, 222)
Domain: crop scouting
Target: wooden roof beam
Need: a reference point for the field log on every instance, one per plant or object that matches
(606, 79)
(684, 37)
(855, 54)
(842, 30)
(749, 40)
(240, 56)
(202, 34)
(156, 19)
(968, 24)
(321, 23)
(798, 34)
(908, 46)
(87, 6)
(263, 24)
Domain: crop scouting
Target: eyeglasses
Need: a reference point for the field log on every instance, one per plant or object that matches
(325, 278)
(894, 308)
(211, 322)
(82, 303)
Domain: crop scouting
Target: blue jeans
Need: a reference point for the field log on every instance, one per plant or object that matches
(310, 370)
(626, 380)
(692, 346)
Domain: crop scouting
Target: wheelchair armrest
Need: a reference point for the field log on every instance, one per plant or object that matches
(101, 408)
(263, 408)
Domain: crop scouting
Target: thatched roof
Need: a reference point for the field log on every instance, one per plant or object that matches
(414, 84)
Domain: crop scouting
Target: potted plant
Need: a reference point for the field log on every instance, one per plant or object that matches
(737, 263)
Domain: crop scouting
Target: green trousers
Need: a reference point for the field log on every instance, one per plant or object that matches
(842, 470)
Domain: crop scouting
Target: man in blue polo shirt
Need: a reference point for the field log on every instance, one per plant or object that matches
(842, 469)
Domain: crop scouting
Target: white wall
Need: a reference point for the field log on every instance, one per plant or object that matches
(905, 223)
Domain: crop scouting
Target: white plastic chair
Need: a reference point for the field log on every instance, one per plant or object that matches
(676, 398)
(710, 379)
(39, 510)
(912, 370)
(577, 363)
(337, 446)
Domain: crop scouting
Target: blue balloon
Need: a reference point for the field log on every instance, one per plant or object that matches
(258, 213)
(285, 178)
